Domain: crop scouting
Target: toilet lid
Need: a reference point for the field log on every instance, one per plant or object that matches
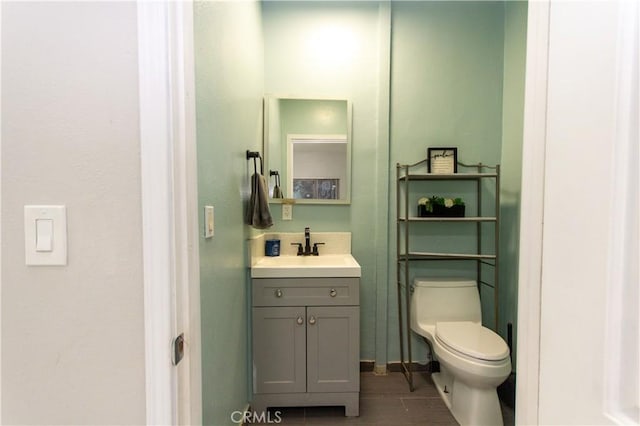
(472, 339)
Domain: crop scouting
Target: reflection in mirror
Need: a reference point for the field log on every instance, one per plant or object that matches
(308, 150)
(316, 165)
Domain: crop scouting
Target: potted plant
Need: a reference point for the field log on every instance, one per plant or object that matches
(440, 207)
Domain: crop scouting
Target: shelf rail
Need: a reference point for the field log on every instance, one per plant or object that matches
(404, 256)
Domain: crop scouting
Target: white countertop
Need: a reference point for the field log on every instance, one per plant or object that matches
(329, 265)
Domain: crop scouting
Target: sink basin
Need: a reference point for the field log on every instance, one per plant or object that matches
(330, 265)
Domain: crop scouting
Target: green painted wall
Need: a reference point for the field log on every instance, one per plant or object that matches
(515, 43)
(229, 89)
(297, 65)
(446, 90)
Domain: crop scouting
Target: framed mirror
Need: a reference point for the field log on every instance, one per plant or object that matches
(307, 150)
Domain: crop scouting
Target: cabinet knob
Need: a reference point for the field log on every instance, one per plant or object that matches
(300, 320)
(333, 292)
(312, 320)
(278, 293)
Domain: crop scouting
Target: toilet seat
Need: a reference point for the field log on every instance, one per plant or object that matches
(471, 340)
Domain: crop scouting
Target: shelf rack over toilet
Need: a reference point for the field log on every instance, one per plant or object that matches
(406, 173)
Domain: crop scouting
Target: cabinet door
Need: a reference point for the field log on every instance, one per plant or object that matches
(333, 349)
(279, 347)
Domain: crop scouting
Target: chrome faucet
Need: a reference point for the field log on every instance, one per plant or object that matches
(307, 251)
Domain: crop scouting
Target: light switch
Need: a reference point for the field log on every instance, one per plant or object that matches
(208, 222)
(45, 235)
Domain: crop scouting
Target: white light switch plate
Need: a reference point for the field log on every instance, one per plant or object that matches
(209, 224)
(45, 235)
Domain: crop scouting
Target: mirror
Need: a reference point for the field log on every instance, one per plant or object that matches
(307, 150)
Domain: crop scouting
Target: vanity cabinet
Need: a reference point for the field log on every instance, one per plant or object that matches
(306, 342)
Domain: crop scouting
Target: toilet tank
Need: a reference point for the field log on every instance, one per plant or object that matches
(445, 299)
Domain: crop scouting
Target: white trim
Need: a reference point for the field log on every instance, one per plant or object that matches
(532, 208)
(619, 376)
(191, 170)
(293, 138)
(157, 212)
(0, 219)
(185, 171)
(169, 206)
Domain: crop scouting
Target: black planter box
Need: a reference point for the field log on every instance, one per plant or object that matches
(441, 211)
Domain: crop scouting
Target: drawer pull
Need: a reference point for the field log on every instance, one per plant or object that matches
(300, 321)
(312, 320)
(333, 292)
(278, 293)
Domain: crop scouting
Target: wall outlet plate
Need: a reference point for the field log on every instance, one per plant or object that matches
(287, 211)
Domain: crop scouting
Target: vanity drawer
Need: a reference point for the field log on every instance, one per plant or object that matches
(305, 291)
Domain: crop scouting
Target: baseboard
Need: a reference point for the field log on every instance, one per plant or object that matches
(396, 367)
(507, 391)
(367, 366)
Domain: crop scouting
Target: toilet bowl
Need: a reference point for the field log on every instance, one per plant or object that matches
(473, 359)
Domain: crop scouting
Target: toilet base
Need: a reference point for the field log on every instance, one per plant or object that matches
(469, 406)
(444, 388)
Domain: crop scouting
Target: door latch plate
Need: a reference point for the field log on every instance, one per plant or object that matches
(178, 349)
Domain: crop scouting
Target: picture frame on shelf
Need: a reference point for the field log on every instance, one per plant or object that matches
(442, 160)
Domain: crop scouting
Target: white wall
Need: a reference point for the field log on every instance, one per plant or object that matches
(73, 336)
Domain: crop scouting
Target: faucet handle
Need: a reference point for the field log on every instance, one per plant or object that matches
(300, 252)
(315, 248)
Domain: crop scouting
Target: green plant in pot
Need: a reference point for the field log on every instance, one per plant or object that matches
(441, 207)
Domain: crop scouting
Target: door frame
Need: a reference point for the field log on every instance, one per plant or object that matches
(169, 210)
(532, 210)
(0, 227)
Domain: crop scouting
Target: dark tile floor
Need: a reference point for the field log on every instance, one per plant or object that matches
(384, 400)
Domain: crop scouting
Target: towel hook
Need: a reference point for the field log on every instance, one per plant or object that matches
(254, 155)
(277, 176)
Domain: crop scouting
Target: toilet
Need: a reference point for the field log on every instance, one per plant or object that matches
(474, 360)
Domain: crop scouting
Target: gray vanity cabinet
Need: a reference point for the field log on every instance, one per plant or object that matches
(306, 343)
(279, 349)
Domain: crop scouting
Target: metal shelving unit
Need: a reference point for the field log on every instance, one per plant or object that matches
(405, 174)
